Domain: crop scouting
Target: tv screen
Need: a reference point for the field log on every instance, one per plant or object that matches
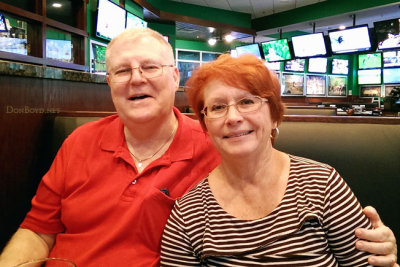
(295, 65)
(317, 64)
(98, 57)
(277, 50)
(388, 33)
(110, 19)
(253, 49)
(315, 85)
(349, 40)
(273, 65)
(391, 59)
(337, 85)
(370, 61)
(340, 66)
(59, 50)
(309, 45)
(133, 21)
(3, 24)
(292, 84)
(371, 76)
(391, 75)
(370, 91)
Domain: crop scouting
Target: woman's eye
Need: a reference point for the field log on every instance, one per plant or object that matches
(246, 101)
(218, 107)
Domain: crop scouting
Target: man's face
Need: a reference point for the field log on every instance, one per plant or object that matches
(142, 99)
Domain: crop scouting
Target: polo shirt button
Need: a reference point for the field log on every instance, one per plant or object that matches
(134, 182)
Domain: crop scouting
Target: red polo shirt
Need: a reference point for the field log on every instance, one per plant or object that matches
(103, 212)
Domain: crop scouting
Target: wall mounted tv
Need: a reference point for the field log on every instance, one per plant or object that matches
(391, 59)
(3, 24)
(273, 65)
(370, 60)
(317, 64)
(354, 39)
(370, 76)
(59, 50)
(309, 45)
(276, 50)
(133, 21)
(387, 33)
(111, 19)
(295, 65)
(391, 75)
(253, 49)
(340, 66)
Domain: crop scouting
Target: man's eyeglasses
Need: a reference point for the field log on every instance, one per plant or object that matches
(148, 71)
(244, 105)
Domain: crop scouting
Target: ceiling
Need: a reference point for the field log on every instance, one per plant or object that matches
(261, 8)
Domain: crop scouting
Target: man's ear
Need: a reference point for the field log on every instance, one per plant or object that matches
(176, 77)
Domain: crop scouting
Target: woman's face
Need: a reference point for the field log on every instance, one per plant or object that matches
(237, 134)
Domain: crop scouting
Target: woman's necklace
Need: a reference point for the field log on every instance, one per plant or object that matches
(140, 161)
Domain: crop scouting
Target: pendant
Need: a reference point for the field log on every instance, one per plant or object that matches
(140, 164)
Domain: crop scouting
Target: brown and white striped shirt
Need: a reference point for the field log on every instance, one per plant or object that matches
(312, 226)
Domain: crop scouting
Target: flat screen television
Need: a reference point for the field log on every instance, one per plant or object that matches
(133, 21)
(292, 84)
(295, 65)
(391, 75)
(370, 76)
(370, 60)
(3, 24)
(354, 39)
(391, 59)
(273, 65)
(387, 33)
(59, 50)
(276, 50)
(253, 49)
(309, 45)
(111, 19)
(98, 57)
(340, 66)
(317, 64)
(316, 85)
(370, 91)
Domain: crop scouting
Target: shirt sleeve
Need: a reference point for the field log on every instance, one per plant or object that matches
(342, 215)
(176, 248)
(45, 213)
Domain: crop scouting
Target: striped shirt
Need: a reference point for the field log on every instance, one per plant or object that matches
(313, 225)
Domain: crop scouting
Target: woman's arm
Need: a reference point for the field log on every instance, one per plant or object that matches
(26, 245)
(379, 240)
(176, 248)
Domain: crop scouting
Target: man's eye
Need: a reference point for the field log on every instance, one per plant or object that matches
(123, 71)
(218, 107)
(150, 67)
(246, 101)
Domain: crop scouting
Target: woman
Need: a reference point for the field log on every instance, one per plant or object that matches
(260, 206)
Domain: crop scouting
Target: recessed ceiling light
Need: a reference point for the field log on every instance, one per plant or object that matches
(56, 5)
(342, 27)
(229, 38)
(212, 41)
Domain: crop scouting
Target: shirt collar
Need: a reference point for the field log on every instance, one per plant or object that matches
(181, 148)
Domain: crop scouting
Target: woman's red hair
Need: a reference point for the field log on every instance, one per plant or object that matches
(245, 72)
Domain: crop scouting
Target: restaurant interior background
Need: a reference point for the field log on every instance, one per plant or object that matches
(52, 60)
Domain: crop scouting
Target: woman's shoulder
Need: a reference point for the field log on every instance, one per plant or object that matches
(302, 162)
(196, 195)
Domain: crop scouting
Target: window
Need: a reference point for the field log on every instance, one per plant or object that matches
(188, 60)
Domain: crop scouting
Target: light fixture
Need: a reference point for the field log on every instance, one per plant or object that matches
(229, 38)
(342, 27)
(212, 41)
(211, 29)
(56, 5)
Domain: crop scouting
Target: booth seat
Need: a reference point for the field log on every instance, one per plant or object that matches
(365, 151)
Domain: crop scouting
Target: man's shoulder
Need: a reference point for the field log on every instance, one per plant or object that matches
(92, 128)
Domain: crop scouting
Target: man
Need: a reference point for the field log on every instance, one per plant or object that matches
(109, 192)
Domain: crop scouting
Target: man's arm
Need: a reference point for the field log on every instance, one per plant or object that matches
(26, 245)
(380, 240)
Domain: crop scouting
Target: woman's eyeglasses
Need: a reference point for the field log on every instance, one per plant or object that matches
(244, 105)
